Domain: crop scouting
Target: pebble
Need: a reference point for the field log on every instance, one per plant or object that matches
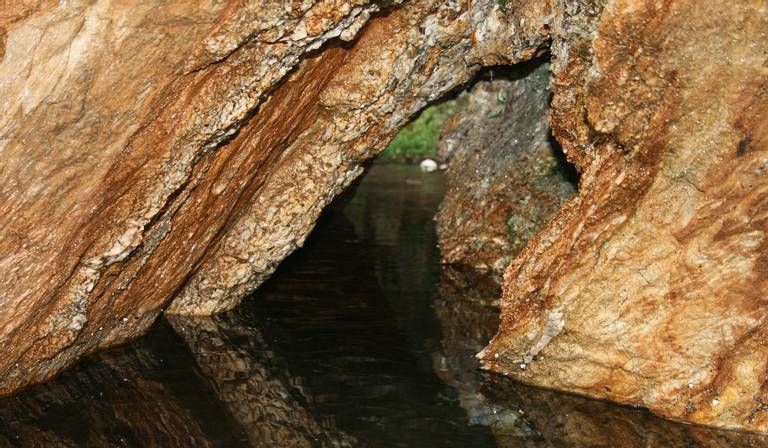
(428, 165)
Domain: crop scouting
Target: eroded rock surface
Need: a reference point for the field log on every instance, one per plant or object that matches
(506, 179)
(649, 287)
(153, 150)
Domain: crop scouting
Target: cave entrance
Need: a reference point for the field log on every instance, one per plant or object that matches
(362, 337)
(507, 176)
(369, 330)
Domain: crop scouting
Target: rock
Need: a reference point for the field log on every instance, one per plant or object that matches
(649, 287)
(156, 151)
(170, 154)
(428, 165)
(506, 178)
(521, 415)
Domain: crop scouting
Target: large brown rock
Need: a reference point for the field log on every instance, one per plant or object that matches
(649, 287)
(154, 149)
(506, 177)
(525, 416)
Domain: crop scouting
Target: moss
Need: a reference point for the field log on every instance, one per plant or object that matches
(419, 138)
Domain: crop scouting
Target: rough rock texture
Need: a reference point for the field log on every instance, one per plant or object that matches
(649, 287)
(156, 149)
(160, 149)
(505, 178)
(524, 416)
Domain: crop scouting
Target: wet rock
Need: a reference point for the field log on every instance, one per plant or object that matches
(153, 150)
(506, 178)
(648, 288)
(527, 416)
(521, 415)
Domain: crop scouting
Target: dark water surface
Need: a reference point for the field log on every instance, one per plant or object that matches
(359, 339)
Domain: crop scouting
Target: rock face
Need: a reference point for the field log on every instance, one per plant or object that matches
(157, 150)
(524, 416)
(649, 287)
(505, 178)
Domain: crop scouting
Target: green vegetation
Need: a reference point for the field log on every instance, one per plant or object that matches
(419, 138)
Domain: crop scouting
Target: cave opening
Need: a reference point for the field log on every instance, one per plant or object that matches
(361, 337)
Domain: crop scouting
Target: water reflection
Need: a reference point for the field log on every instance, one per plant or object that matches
(147, 394)
(360, 340)
(259, 393)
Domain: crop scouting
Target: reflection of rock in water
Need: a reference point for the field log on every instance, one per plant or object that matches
(263, 398)
(466, 307)
(349, 318)
(133, 396)
(522, 416)
(535, 417)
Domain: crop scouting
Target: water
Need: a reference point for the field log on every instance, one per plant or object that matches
(359, 339)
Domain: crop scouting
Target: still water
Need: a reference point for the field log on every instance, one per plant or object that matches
(361, 339)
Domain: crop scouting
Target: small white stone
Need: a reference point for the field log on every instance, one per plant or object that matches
(125, 319)
(522, 366)
(496, 355)
(715, 402)
(690, 385)
(428, 165)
